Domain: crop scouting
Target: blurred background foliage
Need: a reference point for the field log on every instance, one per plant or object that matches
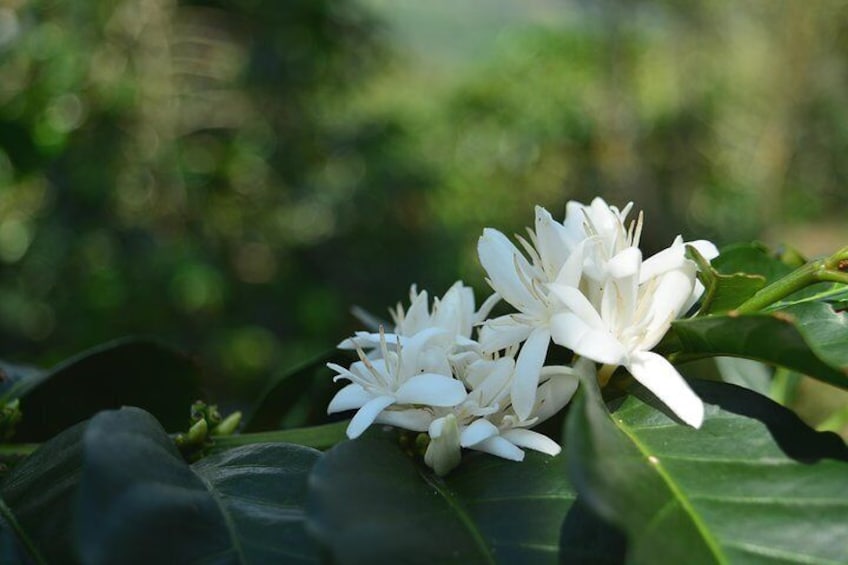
(233, 175)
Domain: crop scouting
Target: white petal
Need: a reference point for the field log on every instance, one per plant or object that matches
(662, 379)
(598, 345)
(500, 258)
(705, 248)
(414, 419)
(527, 369)
(501, 448)
(496, 383)
(626, 263)
(350, 397)
(502, 332)
(432, 390)
(577, 302)
(443, 453)
(554, 394)
(479, 430)
(572, 269)
(668, 301)
(550, 242)
(486, 307)
(666, 260)
(366, 415)
(418, 315)
(532, 440)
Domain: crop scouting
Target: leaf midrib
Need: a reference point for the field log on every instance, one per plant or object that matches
(676, 492)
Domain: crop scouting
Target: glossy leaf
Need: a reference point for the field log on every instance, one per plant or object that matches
(140, 503)
(139, 373)
(811, 338)
(115, 490)
(370, 502)
(262, 490)
(753, 485)
(40, 493)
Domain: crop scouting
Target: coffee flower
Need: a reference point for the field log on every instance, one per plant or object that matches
(398, 379)
(634, 304)
(486, 421)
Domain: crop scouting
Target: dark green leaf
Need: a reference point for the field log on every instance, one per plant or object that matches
(140, 373)
(371, 502)
(262, 489)
(40, 493)
(140, 503)
(285, 389)
(754, 484)
(115, 490)
(811, 338)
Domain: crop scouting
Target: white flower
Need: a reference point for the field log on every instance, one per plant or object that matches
(633, 308)
(485, 421)
(524, 285)
(454, 313)
(396, 378)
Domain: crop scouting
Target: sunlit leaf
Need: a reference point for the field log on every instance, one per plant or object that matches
(754, 484)
(751, 258)
(723, 291)
(811, 338)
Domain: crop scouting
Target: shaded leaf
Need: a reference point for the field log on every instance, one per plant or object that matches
(115, 490)
(811, 338)
(371, 502)
(40, 493)
(140, 503)
(285, 389)
(754, 484)
(140, 373)
(262, 488)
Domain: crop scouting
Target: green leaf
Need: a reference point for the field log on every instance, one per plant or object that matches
(369, 501)
(754, 484)
(115, 490)
(811, 338)
(40, 492)
(723, 292)
(140, 503)
(133, 372)
(262, 489)
(285, 389)
(751, 258)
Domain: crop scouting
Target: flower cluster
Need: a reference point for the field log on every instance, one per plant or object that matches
(470, 381)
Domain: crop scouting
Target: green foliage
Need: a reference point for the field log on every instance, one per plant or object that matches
(115, 489)
(369, 500)
(699, 496)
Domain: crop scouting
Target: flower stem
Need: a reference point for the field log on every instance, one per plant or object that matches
(829, 269)
(319, 437)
